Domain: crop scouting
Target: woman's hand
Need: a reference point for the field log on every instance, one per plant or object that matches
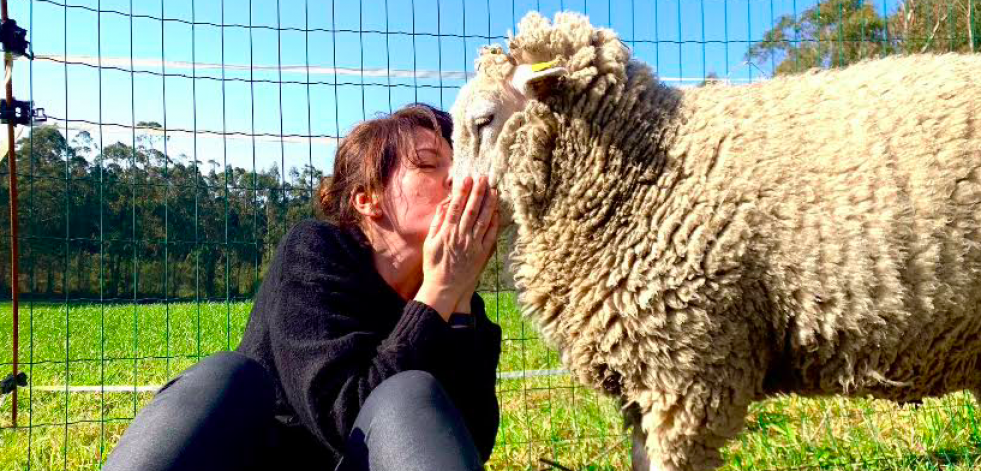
(463, 306)
(458, 246)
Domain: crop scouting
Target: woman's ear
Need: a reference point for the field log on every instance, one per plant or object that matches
(367, 205)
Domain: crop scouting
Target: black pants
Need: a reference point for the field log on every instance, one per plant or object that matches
(218, 415)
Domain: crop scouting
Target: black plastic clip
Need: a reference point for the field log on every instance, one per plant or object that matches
(14, 39)
(12, 382)
(21, 113)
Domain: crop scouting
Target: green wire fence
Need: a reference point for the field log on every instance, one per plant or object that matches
(185, 137)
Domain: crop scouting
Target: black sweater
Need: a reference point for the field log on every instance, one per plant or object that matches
(329, 329)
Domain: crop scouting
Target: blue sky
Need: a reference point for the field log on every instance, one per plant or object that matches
(682, 39)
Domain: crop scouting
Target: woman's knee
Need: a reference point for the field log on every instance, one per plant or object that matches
(409, 422)
(412, 383)
(404, 397)
(220, 407)
(224, 381)
(409, 389)
(224, 389)
(232, 380)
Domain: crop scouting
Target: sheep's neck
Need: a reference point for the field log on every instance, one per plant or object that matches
(603, 178)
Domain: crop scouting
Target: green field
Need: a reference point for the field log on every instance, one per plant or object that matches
(542, 417)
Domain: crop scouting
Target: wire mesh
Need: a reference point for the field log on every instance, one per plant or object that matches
(188, 135)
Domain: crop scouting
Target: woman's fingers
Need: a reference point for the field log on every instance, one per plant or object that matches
(486, 214)
(490, 237)
(437, 220)
(460, 192)
(475, 206)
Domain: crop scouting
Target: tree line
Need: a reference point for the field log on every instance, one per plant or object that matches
(129, 222)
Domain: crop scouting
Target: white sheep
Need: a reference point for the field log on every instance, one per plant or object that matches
(691, 251)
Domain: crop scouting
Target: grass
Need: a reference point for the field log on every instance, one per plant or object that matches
(542, 417)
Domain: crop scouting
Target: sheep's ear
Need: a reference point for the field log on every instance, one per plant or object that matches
(537, 80)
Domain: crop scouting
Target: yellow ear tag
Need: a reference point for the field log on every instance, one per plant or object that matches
(540, 66)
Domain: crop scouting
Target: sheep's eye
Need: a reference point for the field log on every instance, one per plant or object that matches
(482, 121)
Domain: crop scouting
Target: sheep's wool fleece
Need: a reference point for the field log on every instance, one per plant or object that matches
(694, 250)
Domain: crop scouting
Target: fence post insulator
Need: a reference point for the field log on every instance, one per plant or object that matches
(20, 113)
(12, 382)
(14, 39)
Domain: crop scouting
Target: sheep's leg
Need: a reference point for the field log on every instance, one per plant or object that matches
(685, 430)
(639, 461)
(638, 446)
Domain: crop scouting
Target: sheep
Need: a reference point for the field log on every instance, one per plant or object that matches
(691, 251)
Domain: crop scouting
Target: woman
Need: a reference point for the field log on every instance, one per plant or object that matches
(367, 347)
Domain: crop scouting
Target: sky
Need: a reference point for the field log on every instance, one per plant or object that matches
(317, 67)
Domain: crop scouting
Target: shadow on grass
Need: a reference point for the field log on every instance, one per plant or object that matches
(942, 458)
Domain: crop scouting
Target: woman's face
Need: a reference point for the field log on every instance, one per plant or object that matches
(417, 188)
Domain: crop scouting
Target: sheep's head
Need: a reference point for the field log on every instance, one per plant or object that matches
(545, 60)
(500, 89)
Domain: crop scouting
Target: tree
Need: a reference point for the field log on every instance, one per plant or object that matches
(833, 33)
(938, 25)
(836, 33)
(43, 176)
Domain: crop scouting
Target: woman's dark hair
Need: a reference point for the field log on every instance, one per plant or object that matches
(368, 156)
